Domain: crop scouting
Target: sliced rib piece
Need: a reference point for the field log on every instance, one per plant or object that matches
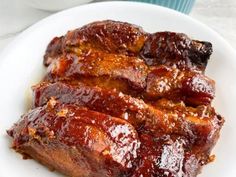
(130, 75)
(54, 50)
(106, 101)
(201, 124)
(176, 49)
(79, 142)
(76, 141)
(191, 87)
(203, 116)
(106, 53)
(108, 36)
(100, 64)
(168, 48)
(167, 156)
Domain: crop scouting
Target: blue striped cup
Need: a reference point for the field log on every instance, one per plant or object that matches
(184, 6)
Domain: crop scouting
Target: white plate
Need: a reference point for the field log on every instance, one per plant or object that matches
(21, 66)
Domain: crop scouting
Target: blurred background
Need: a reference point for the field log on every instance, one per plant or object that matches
(17, 15)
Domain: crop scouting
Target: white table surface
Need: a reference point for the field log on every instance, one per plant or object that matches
(220, 15)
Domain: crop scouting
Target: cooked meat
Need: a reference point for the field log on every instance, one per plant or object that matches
(208, 122)
(167, 156)
(168, 48)
(191, 87)
(108, 36)
(80, 142)
(109, 102)
(100, 64)
(54, 50)
(117, 101)
(106, 54)
(131, 75)
(77, 141)
(176, 49)
(200, 124)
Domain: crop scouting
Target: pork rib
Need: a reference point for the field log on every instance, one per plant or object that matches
(109, 36)
(201, 124)
(117, 101)
(176, 49)
(131, 75)
(77, 141)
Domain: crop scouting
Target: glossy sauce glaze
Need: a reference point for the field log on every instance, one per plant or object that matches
(132, 76)
(176, 49)
(117, 101)
(162, 116)
(125, 55)
(112, 139)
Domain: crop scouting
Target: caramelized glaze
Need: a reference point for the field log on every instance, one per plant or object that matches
(117, 101)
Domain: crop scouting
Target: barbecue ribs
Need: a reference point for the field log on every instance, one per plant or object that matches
(118, 101)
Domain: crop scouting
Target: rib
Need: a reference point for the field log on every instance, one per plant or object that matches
(106, 101)
(168, 155)
(191, 87)
(54, 50)
(111, 53)
(176, 49)
(99, 64)
(76, 141)
(201, 124)
(79, 142)
(130, 75)
(117, 101)
(109, 36)
(169, 48)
